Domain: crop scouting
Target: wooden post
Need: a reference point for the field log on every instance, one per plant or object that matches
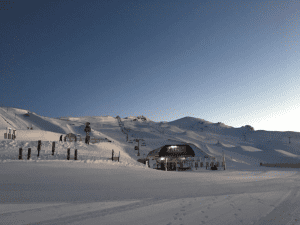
(87, 139)
(39, 147)
(53, 147)
(29, 153)
(139, 148)
(68, 154)
(224, 163)
(166, 164)
(20, 153)
(112, 158)
(75, 154)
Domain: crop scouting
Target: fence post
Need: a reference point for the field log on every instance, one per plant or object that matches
(112, 158)
(39, 147)
(68, 154)
(53, 147)
(75, 154)
(119, 157)
(14, 134)
(29, 153)
(87, 140)
(9, 135)
(20, 153)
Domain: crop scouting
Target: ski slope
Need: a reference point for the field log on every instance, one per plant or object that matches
(96, 190)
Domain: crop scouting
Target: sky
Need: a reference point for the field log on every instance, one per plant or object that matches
(233, 62)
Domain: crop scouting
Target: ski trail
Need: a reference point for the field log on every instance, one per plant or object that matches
(286, 212)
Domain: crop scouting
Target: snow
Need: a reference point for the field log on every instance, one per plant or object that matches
(95, 190)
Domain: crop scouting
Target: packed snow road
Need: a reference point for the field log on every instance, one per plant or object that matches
(69, 192)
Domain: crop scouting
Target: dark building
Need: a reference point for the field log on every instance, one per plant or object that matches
(171, 156)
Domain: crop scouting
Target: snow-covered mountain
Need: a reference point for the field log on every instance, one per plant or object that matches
(94, 188)
(240, 144)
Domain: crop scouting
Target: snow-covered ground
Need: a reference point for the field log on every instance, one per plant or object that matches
(95, 190)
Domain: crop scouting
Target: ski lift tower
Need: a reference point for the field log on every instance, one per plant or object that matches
(138, 141)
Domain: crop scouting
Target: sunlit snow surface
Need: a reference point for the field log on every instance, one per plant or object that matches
(94, 190)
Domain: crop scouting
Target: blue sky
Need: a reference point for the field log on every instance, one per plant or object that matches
(234, 62)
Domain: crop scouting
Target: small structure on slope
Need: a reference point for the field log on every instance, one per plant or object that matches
(70, 136)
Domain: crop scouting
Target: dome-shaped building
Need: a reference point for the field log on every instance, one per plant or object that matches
(172, 156)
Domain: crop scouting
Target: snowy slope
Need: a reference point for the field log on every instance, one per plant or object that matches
(269, 146)
(94, 188)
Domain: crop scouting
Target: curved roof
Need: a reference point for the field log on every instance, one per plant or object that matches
(168, 150)
(176, 150)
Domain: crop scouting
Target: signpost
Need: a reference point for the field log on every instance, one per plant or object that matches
(87, 129)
